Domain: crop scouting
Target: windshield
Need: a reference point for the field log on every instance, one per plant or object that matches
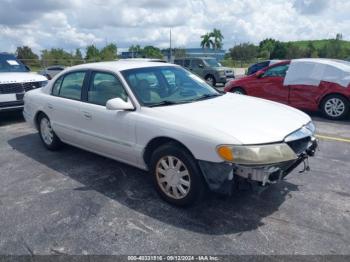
(9, 63)
(167, 85)
(212, 63)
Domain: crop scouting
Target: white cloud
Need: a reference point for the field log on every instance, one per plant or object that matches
(78, 23)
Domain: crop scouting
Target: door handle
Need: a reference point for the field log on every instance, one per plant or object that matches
(87, 115)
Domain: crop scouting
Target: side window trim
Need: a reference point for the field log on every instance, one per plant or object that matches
(273, 67)
(63, 77)
(89, 79)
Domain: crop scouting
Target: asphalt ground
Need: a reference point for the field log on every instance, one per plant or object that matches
(76, 202)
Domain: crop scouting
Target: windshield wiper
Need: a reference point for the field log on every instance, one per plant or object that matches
(206, 96)
(163, 103)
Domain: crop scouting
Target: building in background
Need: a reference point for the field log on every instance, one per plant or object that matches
(191, 52)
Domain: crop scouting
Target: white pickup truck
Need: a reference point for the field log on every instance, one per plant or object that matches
(15, 80)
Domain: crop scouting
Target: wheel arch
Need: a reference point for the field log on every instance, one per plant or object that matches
(37, 117)
(209, 74)
(156, 142)
(238, 87)
(325, 96)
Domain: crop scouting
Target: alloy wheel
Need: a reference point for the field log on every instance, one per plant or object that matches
(334, 107)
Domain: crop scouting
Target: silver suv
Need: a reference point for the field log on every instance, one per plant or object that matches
(207, 68)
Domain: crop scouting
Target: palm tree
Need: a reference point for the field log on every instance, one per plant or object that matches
(207, 41)
(218, 37)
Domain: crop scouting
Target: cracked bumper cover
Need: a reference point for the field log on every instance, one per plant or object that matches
(221, 176)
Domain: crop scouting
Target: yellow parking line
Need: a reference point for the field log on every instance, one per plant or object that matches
(333, 138)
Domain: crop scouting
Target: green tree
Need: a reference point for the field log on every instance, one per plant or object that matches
(151, 52)
(279, 51)
(27, 56)
(244, 52)
(266, 47)
(92, 53)
(136, 51)
(78, 55)
(334, 49)
(293, 51)
(56, 56)
(109, 52)
(206, 42)
(311, 50)
(218, 37)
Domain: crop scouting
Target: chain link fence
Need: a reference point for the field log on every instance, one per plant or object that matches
(36, 65)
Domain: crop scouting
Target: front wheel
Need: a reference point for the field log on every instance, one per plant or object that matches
(210, 80)
(335, 107)
(238, 91)
(176, 175)
(47, 135)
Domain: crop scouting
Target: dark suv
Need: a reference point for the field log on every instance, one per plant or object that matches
(207, 68)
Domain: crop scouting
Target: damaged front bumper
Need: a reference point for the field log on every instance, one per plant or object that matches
(220, 177)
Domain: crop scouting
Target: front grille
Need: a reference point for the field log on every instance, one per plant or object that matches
(31, 85)
(299, 146)
(13, 88)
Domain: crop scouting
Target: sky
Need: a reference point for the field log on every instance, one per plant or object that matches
(71, 24)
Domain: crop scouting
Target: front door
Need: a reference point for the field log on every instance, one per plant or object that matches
(108, 132)
(270, 84)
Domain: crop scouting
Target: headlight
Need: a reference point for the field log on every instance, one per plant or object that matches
(256, 155)
(311, 126)
(42, 83)
(306, 131)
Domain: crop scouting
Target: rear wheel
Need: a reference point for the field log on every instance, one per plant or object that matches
(335, 107)
(47, 135)
(176, 175)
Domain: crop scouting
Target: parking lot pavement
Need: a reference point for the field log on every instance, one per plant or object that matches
(75, 202)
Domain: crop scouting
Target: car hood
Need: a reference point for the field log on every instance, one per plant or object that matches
(16, 77)
(246, 119)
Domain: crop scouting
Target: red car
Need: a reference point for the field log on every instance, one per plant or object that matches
(313, 84)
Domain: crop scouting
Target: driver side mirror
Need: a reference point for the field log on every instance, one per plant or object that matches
(200, 65)
(119, 104)
(259, 74)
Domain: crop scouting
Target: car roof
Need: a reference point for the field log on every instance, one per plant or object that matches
(120, 65)
(195, 57)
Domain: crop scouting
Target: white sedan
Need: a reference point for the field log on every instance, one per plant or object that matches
(162, 118)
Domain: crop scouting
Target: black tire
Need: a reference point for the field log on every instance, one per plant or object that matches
(211, 80)
(197, 184)
(335, 99)
(238, 90)
(55, 143)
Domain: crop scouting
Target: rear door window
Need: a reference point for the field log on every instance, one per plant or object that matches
(71, 85)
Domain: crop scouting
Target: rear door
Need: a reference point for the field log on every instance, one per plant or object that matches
(63, 106)
(270, 84)
(197, 67)
(305, 96)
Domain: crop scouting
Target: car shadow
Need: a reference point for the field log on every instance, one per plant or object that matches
(10, 117)
(133, 188)
(316, 116)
